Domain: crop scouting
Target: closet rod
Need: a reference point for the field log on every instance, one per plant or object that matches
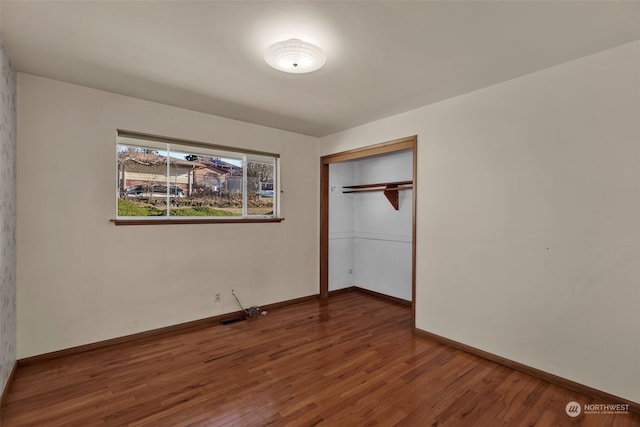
(390, 190)
(370, 190)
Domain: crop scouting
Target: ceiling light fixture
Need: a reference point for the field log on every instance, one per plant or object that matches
(295, 56)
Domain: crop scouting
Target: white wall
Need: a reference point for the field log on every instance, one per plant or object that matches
(366, 234)
(528, 217)
(81, 279)
(7, 217)
(341, 226)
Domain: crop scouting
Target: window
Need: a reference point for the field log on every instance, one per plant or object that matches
(165, 178)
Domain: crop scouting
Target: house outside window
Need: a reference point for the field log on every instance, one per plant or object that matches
(161, 177)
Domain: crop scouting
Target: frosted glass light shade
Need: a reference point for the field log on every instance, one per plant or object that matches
(295, 56)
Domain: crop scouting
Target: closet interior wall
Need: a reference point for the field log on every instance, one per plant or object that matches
(369, 241)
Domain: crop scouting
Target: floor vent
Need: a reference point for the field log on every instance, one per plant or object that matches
(232, 320)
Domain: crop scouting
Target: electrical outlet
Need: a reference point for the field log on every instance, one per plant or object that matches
(217, 297)
(351, 271)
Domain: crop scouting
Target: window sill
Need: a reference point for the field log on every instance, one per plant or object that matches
(121, 221)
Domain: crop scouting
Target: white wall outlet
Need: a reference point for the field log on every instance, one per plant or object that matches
(217, 297)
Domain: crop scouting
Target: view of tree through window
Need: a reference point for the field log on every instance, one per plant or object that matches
(157, 179)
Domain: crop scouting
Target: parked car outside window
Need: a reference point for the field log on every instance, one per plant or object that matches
(156, 190)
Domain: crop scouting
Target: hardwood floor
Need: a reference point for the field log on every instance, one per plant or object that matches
(350, 362)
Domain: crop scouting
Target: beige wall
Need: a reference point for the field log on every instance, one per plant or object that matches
(81, 279)
(528, 227)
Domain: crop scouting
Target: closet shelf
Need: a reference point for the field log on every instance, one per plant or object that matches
(390, 190)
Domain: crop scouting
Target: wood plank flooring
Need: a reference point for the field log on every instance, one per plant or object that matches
(350, 362)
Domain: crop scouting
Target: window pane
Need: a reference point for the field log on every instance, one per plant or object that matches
(260, 187)
(162, 179)
(209, 185)
(142, 182)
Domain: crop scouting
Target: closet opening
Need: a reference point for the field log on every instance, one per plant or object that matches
(367, 220)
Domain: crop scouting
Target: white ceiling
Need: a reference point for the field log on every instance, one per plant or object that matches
(384, 57)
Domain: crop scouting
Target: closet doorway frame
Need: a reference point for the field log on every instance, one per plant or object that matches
(410, 142)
